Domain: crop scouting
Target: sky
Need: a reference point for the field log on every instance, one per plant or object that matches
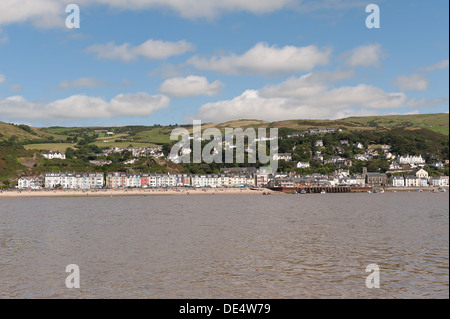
(146, 62)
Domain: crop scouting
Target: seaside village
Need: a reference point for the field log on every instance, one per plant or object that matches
(405, 172)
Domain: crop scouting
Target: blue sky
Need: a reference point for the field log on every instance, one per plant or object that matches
(165, 62)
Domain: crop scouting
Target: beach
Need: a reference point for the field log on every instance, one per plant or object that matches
(132, 192)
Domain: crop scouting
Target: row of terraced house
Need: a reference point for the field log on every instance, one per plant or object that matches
(124, 180)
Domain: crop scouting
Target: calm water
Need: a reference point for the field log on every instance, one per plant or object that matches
(229, 246)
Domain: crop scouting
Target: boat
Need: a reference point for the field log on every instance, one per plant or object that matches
(303, 192)
(323, 192)
(443, 190)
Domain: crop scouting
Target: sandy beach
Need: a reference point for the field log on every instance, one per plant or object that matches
(132, 192)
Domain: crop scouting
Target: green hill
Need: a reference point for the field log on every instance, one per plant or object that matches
(436, 122)
(21, 133)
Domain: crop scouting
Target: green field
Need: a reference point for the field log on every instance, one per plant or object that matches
(154, 135)
(60, 147)
(435, 122)
(122, 144)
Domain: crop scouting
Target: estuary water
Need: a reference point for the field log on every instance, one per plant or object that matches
(226, 246)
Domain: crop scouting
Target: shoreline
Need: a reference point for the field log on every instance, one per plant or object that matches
(172, 192)
(131, 192)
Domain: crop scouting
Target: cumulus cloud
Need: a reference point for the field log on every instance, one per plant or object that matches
(80, 84)
(303, 97)
(82, 107)
(365, 56)
(264, 59)
(150, 50)
(438, 66)
(42, 13)
(51, 13)
(190, 86)
(415, 82)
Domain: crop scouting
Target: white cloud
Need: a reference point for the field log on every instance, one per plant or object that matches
(365, 56)
(43, 13)
(438, 66)
(204, 8)
(81, 83)
(150, 50)
(190, 86)
(415, 82)
(2, 79)
(303, 97)
(265, 59)
(82, 107)
(51, 13)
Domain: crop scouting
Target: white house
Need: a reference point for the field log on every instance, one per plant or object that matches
(412, 160)
(53, 155)
(318, 143)
(283, 157)
(362, 157)
(303, 165)
(412, 181)
(33, 183)
(359, 146)
(398, 181)
(442, 181)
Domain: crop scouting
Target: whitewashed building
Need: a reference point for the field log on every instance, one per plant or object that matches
(283, 157)
(33, 183)
(441, 181)
(398, 181)
(412, 181)
(412, 160)
(53, 155)
(303, 165)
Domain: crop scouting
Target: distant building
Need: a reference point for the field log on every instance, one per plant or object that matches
(376, 179)
(74, 180)
(412, 160)
(33, 183)
(296, 134)
(441, 181)
(283, 157)
(53, 155)
(420, 173)
(359, 146)
(437, 165)
(398, 181)
(412, 181)
(303, 165)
